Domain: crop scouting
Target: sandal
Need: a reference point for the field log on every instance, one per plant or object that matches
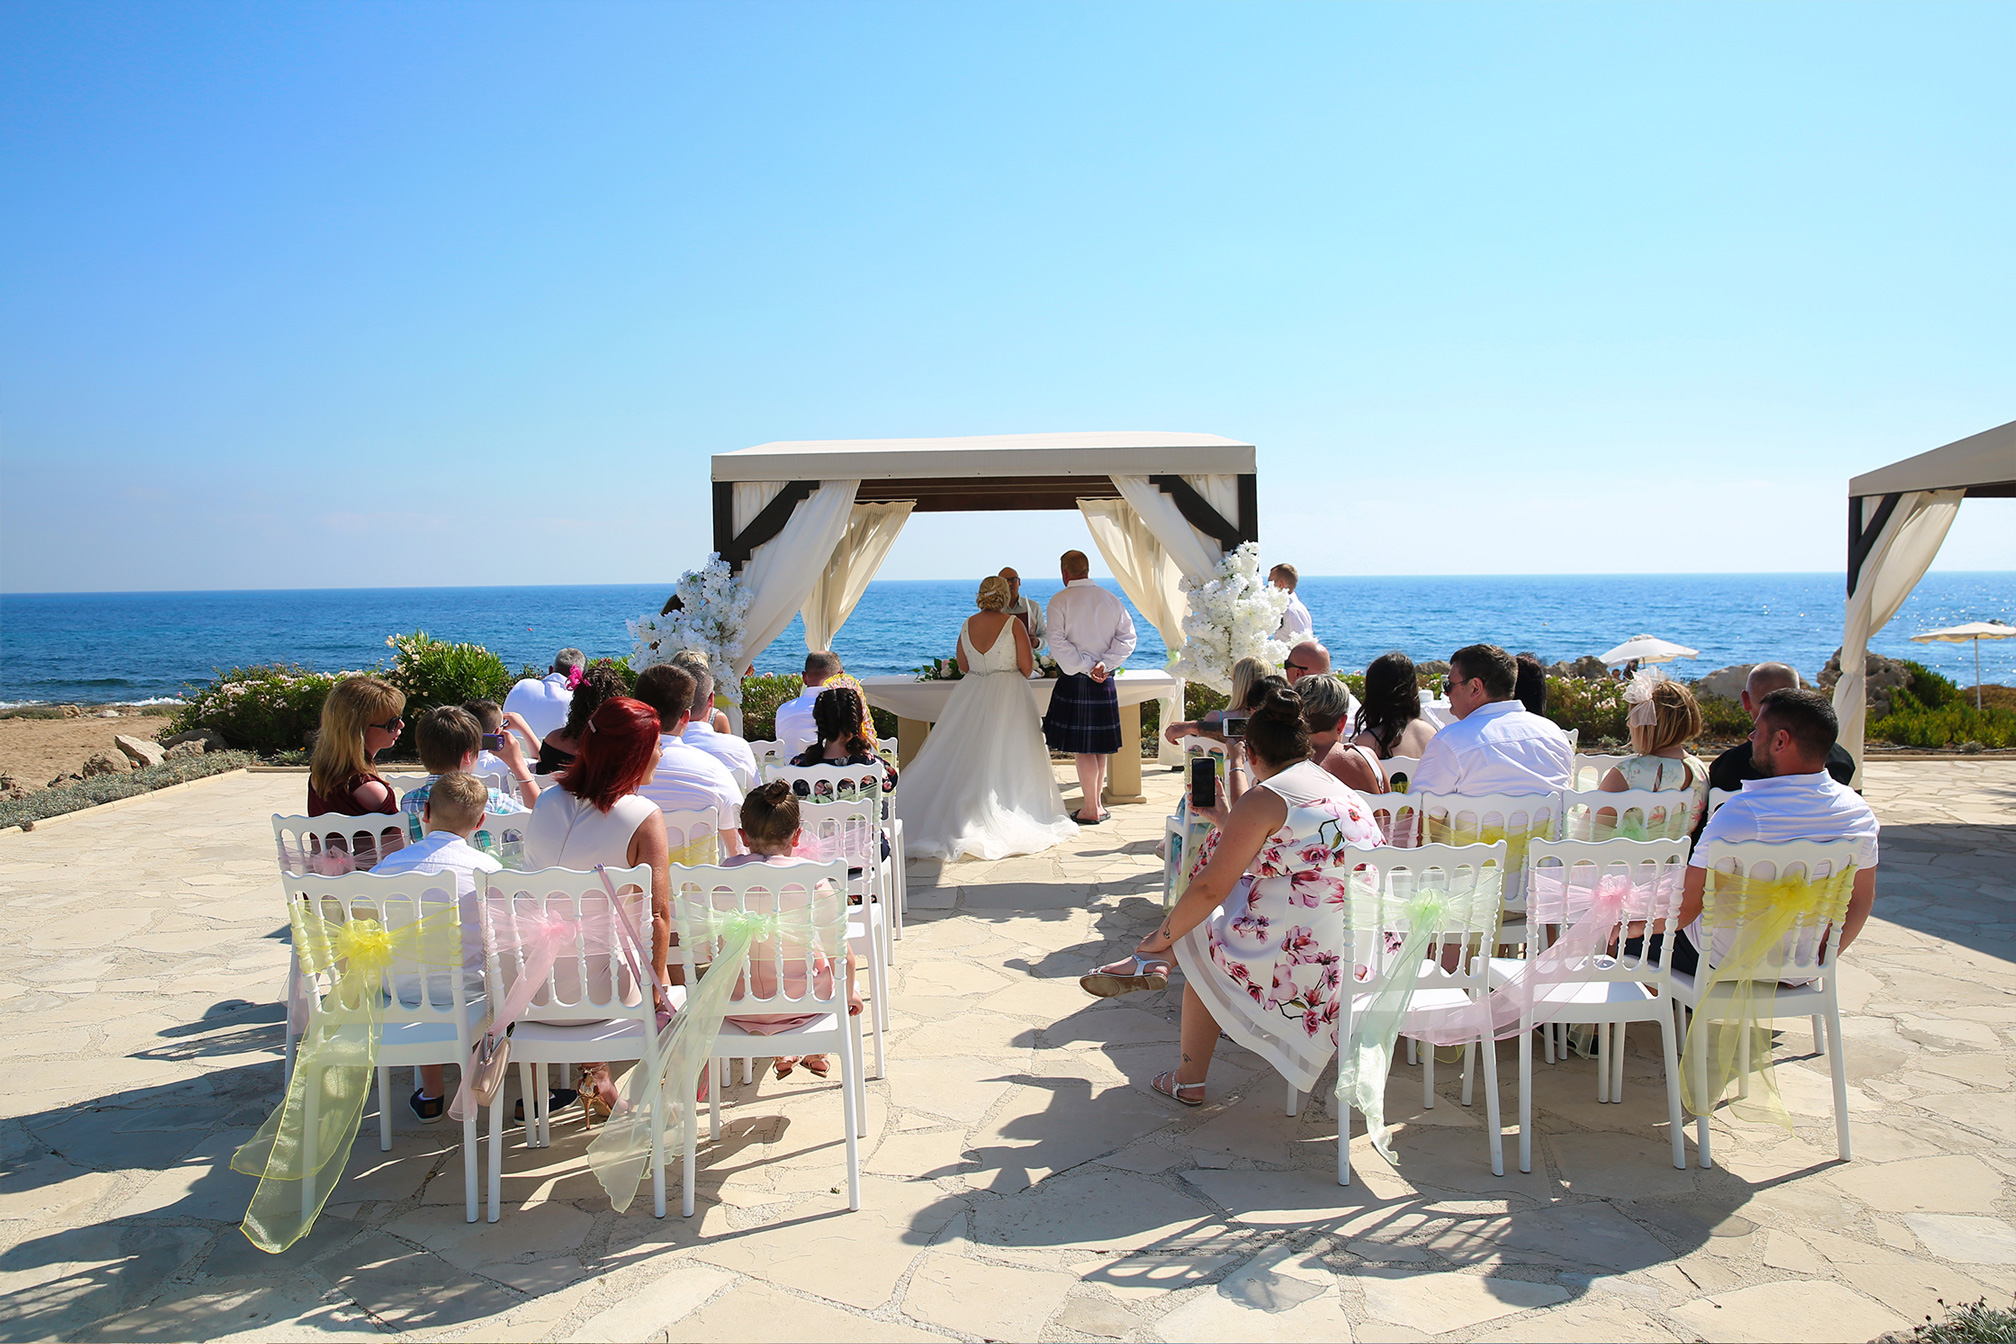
(1102, 982)
(815, 1065)
(1175, 1090)
(1092, 821)
(785, 1064)
(598, 1093)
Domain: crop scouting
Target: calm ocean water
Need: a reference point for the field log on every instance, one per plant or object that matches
(136, 646)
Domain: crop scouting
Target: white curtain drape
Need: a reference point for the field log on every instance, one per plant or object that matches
(871, 531)
(748, 498)
(782, 571)
(1899, 559)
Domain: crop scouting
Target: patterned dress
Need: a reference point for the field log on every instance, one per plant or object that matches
(1268, 963)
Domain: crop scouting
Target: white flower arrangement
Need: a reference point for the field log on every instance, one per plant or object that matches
(713, 605)
(1230, 616)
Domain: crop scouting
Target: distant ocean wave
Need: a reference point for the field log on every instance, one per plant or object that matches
(145, 647)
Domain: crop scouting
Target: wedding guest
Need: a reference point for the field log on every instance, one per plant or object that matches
(794, 716)
(846, 679)
(454, 808)
(1023, 610)
(1091, 636)
(837, 717)
(1390, 721)
(598, 686)
(696, 662)
(495, 722)
(1306, 659)
(686, 779)
(1735, 766)
(1244, 673)
(1295, 623)
(449, 738)
(1794, 798)
(1259, 954)
(1531, 687)
(701, 731)
(1663, 719)
(1495, 745)
(1326, 713)
(542, 704)
(361, 717)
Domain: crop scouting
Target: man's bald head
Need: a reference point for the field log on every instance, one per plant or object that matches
(1306, 659)
(1010, 575)
(1764, 679)
(1074, 565)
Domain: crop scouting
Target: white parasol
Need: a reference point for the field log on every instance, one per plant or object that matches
(1647, 649)
(1960, 634)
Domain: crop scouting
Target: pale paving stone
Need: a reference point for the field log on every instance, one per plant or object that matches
(990, 1301)
(1280, 1198)
(1923, 1185)
(853, 1258)
(757, 1313)
(1098, 1210)
(664, 1302)
(1794, 1312)
(1970, 1240)
(1209, 1316)
(1582, 1323)
(1441, 1301)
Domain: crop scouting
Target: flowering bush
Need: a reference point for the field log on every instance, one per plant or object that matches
(713, 604)
(1231, 616)
(264, 709)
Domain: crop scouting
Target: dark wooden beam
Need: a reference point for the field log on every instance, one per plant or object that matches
(1249, 507)
(1862, 540)
(988, 494)
(1197, 511)
(765, 525)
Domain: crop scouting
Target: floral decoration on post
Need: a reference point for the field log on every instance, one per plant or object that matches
(1230, 616)
(713, 604)
(940, 669)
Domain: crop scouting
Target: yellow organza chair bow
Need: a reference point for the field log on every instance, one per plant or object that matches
(1771, 921)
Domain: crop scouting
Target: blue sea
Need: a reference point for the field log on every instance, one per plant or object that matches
(146, 646)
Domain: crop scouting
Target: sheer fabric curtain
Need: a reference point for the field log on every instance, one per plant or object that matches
(1905, 551)
(871, 531)
(782, 572)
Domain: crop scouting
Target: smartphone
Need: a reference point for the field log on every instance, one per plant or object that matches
(1233, 725)
(491, 741)
(1204, 782)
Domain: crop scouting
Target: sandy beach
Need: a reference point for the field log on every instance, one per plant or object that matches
(35, 751)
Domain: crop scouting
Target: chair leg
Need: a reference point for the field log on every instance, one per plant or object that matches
(1294, 1101)
(1469, 1071)
(1343, 1141)
(469, 1178)
(1602, 1062)
(1526, 1099)
(657, 1104)
(878, 985)
(526, 1103)
(851, 1118)
(1617, 1031)
(1427, 1074)
(1673, 1120)
(497, 1150)
(1743, 1038)
(384, 1109)
(1493, 1127)
(1701, 1096)
(1819, 1034)
(719, 1068)
(690, 1132)
(308, 1155)
(1837, 1059)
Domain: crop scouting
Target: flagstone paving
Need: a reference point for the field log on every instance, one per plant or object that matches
(1021, 1182)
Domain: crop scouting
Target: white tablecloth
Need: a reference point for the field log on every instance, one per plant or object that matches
(908, 698)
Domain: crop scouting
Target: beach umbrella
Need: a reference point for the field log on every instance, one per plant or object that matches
(1960, 634)
(1648, 649)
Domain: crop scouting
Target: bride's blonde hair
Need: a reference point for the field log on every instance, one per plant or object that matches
(993, 593)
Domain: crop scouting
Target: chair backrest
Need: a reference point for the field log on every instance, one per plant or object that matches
(808, 902)
(403, 781)
(1398, 816)
(1574, 739)
(833, 783)
(1632, 814)
(416, 991)
(693, 837)
(850, 829)
(1563, 882)
(1470, 879)
(590, 979)
(1484, 818)
(1589, 769)
(1741, 890)
(1399, 771)
(768, 753)
(1717, 797)
(332, 844)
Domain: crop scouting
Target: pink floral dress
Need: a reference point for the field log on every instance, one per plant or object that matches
(1268, 961)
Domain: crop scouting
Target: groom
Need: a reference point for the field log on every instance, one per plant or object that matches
(1091, 635)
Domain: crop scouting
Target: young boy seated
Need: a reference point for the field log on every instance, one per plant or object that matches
(453, 810)
(770, 830)
(450, 738)
(494, 722)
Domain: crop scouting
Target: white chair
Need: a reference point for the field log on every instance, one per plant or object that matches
(839, 783)
(427, 1015)
(1729, 901)
(1574, 739)
(1607, 988)
(1399, 771)
(1518, 818)
(404, 781)
(1449, 975)
(1633, 814)
(1589, 769)
(787, 966)
(768, 753)
(1398, 816)
(851, 831)
(1717, 797)
(589, 1006)
(693, 837)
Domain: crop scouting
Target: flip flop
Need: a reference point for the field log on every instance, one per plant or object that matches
(1104, 984)
(1175, 1090)
(1102, 817)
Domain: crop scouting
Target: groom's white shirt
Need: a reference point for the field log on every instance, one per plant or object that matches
(1088, 625)
(794, 722)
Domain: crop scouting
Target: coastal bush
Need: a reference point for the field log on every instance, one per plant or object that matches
(621, 667)
(1595, 708)
(761, 695)
(1931, 690)
(1912, 724)
(266, 709)
(1970, 1323)
(125, 784)
(1722, 719)
(433, 672)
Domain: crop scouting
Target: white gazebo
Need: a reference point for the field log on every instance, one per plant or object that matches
(1897, 518)
(807, 524)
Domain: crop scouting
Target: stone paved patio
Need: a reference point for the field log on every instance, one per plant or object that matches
(1021, 1181)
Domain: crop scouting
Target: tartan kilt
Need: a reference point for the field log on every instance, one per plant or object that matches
(1084, 716)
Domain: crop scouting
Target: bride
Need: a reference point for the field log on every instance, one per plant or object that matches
(982, 784)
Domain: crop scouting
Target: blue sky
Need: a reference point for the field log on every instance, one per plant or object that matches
(368, 294)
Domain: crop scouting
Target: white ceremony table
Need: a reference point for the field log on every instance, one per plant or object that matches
(918, 704)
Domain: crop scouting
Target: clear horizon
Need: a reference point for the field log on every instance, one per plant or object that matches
(474, 292)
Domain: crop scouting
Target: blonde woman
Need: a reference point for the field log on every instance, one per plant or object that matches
(1664, 718)
(361, 717)
(982, 785)
(1246, 673)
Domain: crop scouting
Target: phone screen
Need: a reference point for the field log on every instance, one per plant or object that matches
(1234, 725)
(491, 741)
(1204, 783)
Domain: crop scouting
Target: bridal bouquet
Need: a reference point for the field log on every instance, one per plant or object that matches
(1231, 615)
(940, 669)
(713, 603)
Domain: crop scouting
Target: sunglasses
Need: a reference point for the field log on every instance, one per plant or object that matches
(391, 725)
(1295, 666)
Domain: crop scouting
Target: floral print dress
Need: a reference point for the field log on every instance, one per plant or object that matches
(1268, 963)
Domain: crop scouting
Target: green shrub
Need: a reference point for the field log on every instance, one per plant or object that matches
(1973, 1323)
(433, 672)
(264, 709)
(1932, 690)
(1913, 724)
(1595, 708)
(622, 669)
(1722, 719)
(760, 697)
(105, 788)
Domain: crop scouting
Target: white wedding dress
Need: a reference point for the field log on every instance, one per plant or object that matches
(982, 785)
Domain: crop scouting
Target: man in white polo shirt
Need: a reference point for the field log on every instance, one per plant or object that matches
(1797, 799)
(794, 717)
(543, 703)
(730, 750)
(1495, 745)
(687, 778)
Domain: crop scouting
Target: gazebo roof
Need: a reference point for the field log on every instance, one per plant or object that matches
(1983, 464)
(1098, 453)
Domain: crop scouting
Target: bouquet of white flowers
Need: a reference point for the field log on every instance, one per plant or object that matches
(1232, 615)
(713, 603)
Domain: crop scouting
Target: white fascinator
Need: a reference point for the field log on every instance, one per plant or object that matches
(1638, 695)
